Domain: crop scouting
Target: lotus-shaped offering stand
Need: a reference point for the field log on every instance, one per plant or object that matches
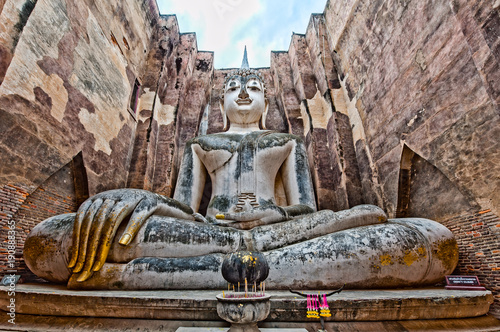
(243, 312)
(239, 306)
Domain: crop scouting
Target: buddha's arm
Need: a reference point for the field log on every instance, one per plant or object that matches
(191, 180)
(297, 182)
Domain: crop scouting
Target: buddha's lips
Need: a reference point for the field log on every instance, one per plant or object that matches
(245, 101)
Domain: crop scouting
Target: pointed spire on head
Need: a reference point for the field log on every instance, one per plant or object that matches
(245, 72)
(244, 63)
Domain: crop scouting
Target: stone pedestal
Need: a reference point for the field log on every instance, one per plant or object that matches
(223, 329)
(43, 308)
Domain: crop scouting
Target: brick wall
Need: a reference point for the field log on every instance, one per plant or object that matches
(478, 236)
(18, 207)
(12, 196)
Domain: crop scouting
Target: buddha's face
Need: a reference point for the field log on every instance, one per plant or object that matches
(244, 100)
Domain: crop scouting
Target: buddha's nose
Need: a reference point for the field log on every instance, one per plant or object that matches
(243, 93)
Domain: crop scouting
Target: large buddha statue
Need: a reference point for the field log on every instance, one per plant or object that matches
(135, 239)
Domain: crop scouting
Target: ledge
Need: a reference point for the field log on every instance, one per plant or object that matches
(348, 306)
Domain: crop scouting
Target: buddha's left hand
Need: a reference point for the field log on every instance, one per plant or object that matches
(261, 215)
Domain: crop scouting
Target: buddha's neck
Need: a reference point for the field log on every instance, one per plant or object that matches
(243, 127)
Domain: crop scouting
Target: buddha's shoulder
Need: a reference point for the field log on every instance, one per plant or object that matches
(271, 139)
(231, 141)
(218, 141)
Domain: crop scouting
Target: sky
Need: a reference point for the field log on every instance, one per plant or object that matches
(226, 26)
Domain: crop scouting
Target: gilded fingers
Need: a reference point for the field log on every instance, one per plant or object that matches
(99, 218)
(113, 221)
(84, 233)
(76, 232)
(94, 238)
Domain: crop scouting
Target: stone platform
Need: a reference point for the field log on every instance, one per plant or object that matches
(40, 306)
(225, 329)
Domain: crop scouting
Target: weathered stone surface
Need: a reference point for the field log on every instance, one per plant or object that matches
(55, 323)
(288, 98)
(193, 103)
(73, 90)
(348, 306)
(412, 67)
(323, 66)
(347, 155)
(382, 258)
(445, 195)
(302, 71)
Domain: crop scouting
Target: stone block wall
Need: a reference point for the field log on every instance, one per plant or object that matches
(416, 81)
(421, 85)
(67, 87)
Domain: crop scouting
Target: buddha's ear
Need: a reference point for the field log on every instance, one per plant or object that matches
(264, 115)
(224, 116)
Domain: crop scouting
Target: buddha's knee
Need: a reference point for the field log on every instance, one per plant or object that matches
(399, 253)
(46, 249)
(438, 245)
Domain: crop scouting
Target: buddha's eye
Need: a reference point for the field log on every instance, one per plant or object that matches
(254, 88)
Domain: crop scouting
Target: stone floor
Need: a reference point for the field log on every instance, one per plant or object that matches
(35, 323)
(42, 307)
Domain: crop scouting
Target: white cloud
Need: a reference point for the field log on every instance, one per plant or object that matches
(226, 26)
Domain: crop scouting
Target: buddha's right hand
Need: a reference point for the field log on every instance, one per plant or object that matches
(99, 217)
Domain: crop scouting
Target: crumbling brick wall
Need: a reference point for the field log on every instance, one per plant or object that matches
(11, 199)
(24, 211)
(478, 237)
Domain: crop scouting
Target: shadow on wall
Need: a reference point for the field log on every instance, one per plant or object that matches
(424, 191)
(62, 192)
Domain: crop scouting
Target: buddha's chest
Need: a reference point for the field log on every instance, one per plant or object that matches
(251, 155)
(243, 161)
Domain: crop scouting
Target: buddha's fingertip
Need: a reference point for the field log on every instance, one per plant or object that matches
(84, 276)
(97, 266)
(125, 239)
(72, 263)
(78, 268)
